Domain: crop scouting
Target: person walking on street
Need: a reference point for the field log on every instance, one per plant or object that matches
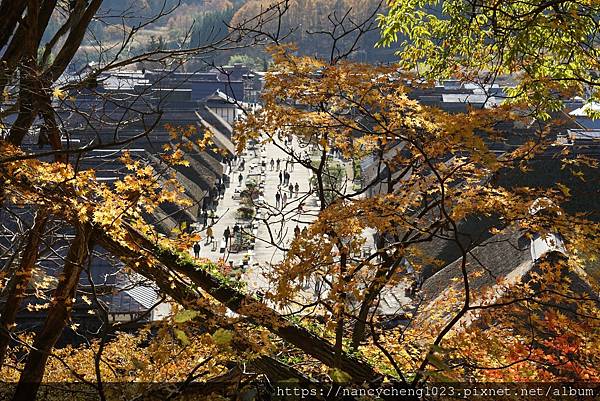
(226, 235)
(205, 217)
(297, 188)
(277, 199)
(284, 200)
(278, 164)
(272, 164)
(286, 176)
(291, 188)
(280, 178)
(197, 250)
(291, 164)
(241, 178)
(209, 235)
(296, 230)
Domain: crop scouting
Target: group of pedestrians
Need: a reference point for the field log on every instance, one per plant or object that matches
(286, 190)
(221, 190)
(276, 164)
(210, 240)
(235, 161)
(281, 199)
(284, 181)
(208, 216)
(294, 189)
(284, 178)
(297, 230)
(228, 234)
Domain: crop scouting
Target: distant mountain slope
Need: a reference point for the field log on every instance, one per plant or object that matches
(304, 17)
(142, 8)
(198, 22)
(307, 17)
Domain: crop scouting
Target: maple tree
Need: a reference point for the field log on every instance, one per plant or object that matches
(438, 175)
(74, 200)
(443, 175)
(550, 46)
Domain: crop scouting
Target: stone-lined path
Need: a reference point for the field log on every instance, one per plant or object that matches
(273, 226)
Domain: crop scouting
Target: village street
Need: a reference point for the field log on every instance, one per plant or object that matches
(273, 227)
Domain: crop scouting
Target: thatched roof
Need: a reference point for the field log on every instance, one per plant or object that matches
(215, 120)
(487, 263)
(498, 264)
(221, 137)
(583, 182)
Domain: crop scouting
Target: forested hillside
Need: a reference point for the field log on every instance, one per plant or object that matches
(191, 23)
(308, 20)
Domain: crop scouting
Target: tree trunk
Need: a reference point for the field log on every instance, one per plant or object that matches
(10, 14)
(72, 42)
(339, 329)
(15, 290)
(28, 84)
(382, 277)
(185, 296)
(246, 305)
(58, 315)
(375, 287)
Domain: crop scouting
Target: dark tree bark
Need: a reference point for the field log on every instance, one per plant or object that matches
(57, 318)
(10, 13)
(23, 33)
(72, 43)
(15, 290)
(256, 311)
(29, 86)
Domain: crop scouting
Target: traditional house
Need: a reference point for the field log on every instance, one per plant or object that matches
(131, 109)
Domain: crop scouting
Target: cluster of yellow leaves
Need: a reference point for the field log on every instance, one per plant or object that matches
(186, 139)
(445, 167)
